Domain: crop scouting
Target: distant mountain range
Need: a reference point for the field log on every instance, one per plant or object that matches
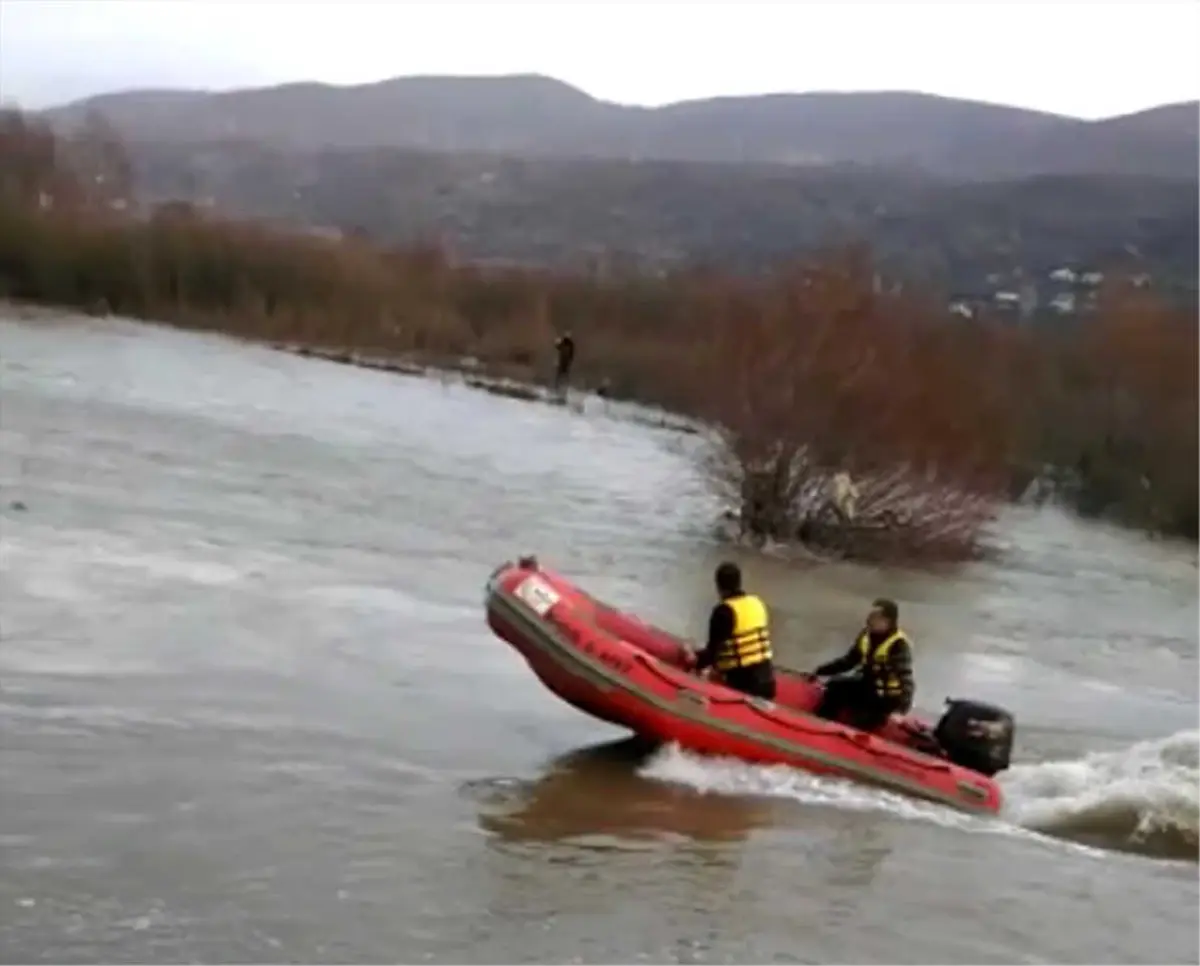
(970, 196)
(534, 116)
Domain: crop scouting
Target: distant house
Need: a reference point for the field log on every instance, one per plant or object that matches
(1063, 303)
(1022, 304)
(962, 308)
(1092, 278)
(1064, 275)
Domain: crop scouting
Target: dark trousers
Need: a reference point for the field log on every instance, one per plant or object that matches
(757, 680)
(562, 372)
(867, 710)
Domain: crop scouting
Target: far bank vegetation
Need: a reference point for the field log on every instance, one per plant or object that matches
(860, 422)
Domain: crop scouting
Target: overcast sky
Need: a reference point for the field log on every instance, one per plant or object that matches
(1086, 59)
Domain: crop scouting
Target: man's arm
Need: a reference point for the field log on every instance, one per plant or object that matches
(720, 629)
(840, 665)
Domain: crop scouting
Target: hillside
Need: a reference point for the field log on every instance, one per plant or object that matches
(541, 117)
(664, 213)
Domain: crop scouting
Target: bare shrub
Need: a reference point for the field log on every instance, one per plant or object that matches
(898, 514)
(818, 380)
(1118, 412)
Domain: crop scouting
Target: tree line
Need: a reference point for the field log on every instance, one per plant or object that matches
(808, 375)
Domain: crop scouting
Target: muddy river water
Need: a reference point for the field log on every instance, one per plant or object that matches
(250, 712)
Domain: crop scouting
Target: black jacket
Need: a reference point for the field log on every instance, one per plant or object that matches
(899, 662)
(720, 629)
(565, 347)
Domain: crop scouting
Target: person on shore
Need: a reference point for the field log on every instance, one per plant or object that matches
(882, 656)
(739, 638)
(565, 349)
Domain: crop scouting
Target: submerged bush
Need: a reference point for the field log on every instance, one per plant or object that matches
(819, 384)
(891, 515)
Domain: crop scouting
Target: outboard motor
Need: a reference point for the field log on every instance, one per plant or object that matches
(976, 735)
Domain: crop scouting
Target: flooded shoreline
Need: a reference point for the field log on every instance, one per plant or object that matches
(247, 690)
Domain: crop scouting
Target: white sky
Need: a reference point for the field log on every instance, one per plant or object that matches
(1086, 59)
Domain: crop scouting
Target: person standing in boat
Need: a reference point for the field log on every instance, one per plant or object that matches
(882, 656)
(739, 638)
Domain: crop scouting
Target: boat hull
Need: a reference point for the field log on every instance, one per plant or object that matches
(619, 669)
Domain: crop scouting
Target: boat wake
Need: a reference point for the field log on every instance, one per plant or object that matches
(1144, 798)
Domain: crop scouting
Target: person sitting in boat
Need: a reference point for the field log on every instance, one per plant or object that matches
(739, 638)
(882, 656)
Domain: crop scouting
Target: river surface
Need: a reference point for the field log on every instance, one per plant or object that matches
(250, 711)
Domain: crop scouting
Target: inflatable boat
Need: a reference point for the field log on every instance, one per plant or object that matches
(616, 668)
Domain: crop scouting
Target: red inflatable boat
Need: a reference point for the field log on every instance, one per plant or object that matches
(621, 670)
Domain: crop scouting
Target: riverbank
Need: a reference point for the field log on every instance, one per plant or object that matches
(809, 372)
(507, 381)
(510, 382)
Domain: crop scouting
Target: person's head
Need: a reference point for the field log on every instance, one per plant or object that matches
(883, 616)
(729, 579)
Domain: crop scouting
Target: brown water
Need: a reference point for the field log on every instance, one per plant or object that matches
(249, 710)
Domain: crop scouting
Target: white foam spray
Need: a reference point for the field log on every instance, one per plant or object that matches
(1143, 798)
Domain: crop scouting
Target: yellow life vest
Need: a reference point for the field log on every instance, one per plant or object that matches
(750, 642)
(887, 683)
